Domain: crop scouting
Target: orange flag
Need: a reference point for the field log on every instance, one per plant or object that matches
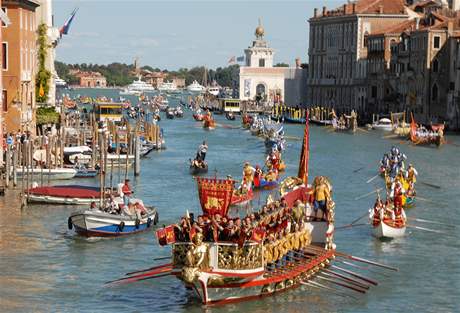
(41, 91)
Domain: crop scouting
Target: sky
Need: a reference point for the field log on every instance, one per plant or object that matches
(174, 34)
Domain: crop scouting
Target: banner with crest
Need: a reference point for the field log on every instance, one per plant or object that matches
(215, 195)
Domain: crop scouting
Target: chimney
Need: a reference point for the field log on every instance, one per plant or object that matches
(315, 12)
(381, 9)
(450, 27)
(354, 7)
(324, 11)
(417, 23)
(345, 9)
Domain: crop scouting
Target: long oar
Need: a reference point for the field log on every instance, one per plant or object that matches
(355, 258)
(426, 229)
(430, 201)
(149, 269)
(320, 286)
(162, 258)
(368, 194)
(430, 222)
(140, 276)
(356, 171)
(372, 178)
(350, 226)
(430, 185)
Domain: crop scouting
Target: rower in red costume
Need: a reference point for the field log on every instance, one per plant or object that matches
(398, 198)
(257, 175)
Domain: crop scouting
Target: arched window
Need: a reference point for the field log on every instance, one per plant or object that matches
(434, 92)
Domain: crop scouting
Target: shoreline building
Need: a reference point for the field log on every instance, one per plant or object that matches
(45, 16)
(19, 65)
(261, 82)
(338, 50)
(5, 21)
(90, 79)
(413, 67)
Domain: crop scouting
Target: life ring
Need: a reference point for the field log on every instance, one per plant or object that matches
(149, 222)
(121, 226)
(137, 223)
(69, 223)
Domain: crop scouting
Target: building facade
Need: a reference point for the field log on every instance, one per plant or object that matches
(90, 79)
(413, 66)
(19, 65)
(155, 79)
(338, 50)
(260, 81)
(45, 16)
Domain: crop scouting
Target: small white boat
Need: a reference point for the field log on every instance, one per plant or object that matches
(53, 174)
(127, 92)
(384, 230)
(383, 124)
(96, 223)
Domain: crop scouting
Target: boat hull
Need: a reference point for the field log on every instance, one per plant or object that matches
(100, 224)
(383, 230)
(259, 286)
(53, 174)
(198, 170)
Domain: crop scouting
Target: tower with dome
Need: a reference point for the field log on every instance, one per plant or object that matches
(259, 80)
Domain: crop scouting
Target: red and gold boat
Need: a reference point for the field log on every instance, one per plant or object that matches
(285, 249)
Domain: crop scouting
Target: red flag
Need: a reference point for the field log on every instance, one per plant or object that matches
(215, 195)
(413, 128)
(305, 153)
(258, 234)
(166, 235)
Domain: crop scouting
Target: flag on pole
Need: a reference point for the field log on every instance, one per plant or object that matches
(64, 30)
(305, 153)
(232, 60)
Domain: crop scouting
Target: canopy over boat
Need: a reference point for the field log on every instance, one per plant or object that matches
(70, 191)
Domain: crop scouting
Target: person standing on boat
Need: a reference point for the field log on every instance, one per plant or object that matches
(411, 174)
(202, 150)
(127, 192)
(321, 196)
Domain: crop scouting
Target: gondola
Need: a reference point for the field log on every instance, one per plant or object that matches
(230, 116)
(170, 114)
(197, 170)
(198, 117)
(209, 123)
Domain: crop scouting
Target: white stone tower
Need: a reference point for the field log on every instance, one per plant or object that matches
(259, 54)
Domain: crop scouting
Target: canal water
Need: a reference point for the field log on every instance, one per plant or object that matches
(44, 267)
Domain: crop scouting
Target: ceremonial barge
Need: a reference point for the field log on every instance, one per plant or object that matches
(286, 244)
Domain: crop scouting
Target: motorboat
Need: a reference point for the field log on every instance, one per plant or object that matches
(213, 90)
(64, 194)
(383, 124)
(59, 82)
(47, 173)
(137, 87)
(195, 87)
(167, 87)
(98, 223)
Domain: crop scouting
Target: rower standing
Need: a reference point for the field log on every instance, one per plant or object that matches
(202, 150)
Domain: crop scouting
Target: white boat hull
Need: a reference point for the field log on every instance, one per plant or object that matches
(97, 223)
(59, 200)
(53, 174)
(382, 230)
